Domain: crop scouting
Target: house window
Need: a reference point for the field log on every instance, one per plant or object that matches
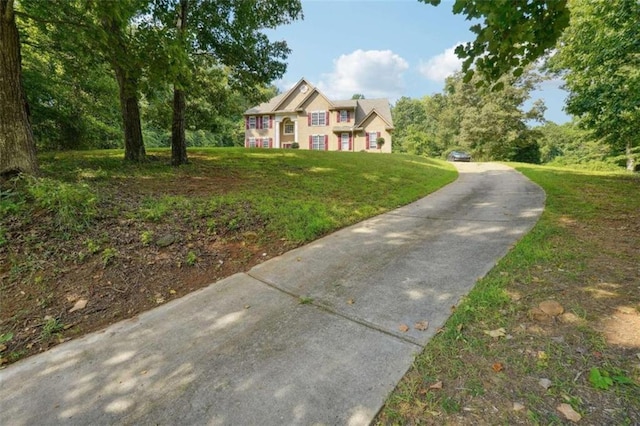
(265, 142)
(317, 142)
(252, 142)
(318, 118)
(344, 116)
(344, 141)
(289, 128)
(373, 144)
(252, 122)
(265, 121)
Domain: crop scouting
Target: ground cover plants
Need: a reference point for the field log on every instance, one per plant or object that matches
(552, 334)
(95, 240)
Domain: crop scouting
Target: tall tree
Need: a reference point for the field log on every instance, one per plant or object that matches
(231, 35)
(110, 31)
(17, 147)
(512, 34)
(600, 57)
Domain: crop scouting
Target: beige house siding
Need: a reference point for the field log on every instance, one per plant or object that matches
(317, 123)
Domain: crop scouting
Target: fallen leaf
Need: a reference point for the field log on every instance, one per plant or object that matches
(437, 385)
(499, 332)
(497, 367)
(80, 304)
(569, 413)
(3, 348)
(421, 325)
(459, 328)
(143, 372)
(545, 383)
(247, 306)
(517, 406)
(351, 301)
(172, 291)
(403, 327)
(551, 307)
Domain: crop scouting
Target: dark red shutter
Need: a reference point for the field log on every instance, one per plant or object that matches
(270, 142)
(271, 121)
(246, 143)
(367, 133)
(246, 123)
(339, 141)
(327, 120)
(338, 117)
(350, 142)
(326, 142)
(348, 116)
(377, 137)
(309, 119)
(310, 142)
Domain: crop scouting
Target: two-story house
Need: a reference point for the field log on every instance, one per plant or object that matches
(306, 116)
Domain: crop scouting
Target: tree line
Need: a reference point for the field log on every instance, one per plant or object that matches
(90, 73)
(482, 109)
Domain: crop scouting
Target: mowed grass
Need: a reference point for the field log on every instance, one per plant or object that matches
(297, 195)
(584, 253)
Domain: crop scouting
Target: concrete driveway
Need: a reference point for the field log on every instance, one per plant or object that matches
(311, 337)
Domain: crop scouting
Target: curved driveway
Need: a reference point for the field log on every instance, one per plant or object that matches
(246, 351)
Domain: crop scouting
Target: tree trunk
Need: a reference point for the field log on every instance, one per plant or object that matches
(631, 164)
(133, 144)
(178, 138)
(17, 147)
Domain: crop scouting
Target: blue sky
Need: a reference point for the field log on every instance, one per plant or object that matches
(383, 48)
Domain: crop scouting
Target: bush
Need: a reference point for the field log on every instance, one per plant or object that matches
(295, 145)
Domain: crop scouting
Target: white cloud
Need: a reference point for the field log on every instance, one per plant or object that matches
(374, 73)
(441, 66)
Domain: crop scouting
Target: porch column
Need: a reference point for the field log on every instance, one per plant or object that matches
(295, 131)
(276, 139)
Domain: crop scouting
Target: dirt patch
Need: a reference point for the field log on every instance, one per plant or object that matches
(117, 265)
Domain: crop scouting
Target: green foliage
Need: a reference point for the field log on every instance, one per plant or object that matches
(73, 206)
(108, 255)
(3, 236)
(509, 35)
(50, 328)
(599, 58)
(492, 125)
(146, 237)
(192, 258)
(6, 337)
(603, 379)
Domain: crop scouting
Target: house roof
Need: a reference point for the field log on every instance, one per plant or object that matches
(363, 107)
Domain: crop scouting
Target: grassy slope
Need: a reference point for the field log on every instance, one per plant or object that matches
(90, 228)
(584, 253)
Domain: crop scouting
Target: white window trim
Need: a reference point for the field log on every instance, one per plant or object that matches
(293, 128)
(373, 142)
(344, 118)
(265, 121)
(315, 118)
(252, 142)
(265, 142)
(253, 122)
(344, 141)
(318, 142)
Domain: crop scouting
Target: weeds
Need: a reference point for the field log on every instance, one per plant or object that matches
(191, 259)
(108, 255)
(50, 328)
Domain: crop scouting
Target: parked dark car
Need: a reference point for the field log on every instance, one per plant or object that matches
(459, 156)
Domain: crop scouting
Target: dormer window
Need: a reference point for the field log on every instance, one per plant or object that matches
(344, 116)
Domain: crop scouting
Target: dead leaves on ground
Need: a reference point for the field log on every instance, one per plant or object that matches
(420, 326)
